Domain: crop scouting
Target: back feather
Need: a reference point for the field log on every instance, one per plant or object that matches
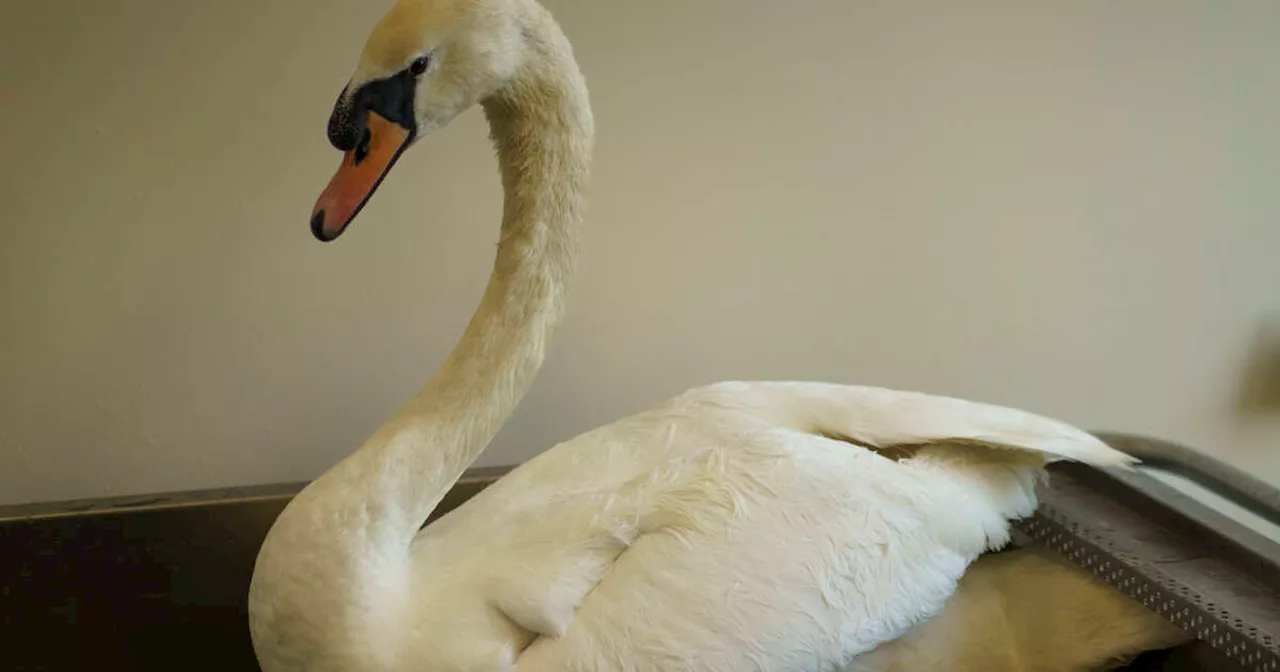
(882, 418)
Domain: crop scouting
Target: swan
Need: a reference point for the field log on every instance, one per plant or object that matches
(737, 526)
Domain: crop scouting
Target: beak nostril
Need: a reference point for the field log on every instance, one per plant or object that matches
(362, 148)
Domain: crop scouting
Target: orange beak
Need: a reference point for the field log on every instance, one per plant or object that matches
(359, 175)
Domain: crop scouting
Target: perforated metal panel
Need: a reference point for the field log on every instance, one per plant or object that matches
(1216, 579)
(1198, 615)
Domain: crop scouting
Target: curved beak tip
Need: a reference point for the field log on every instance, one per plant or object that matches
(358, 176)
(318, 230)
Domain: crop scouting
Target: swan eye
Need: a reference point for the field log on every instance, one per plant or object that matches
(419, 65)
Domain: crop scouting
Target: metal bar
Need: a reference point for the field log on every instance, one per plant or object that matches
(1244, 490)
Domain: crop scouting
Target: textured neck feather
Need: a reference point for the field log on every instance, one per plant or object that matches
(346, 539)
(542, 131)
(373, 503)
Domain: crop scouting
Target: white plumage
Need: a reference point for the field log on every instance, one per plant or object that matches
(739, 526)
(726, 531)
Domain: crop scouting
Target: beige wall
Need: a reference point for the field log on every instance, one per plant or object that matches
(1070, 208)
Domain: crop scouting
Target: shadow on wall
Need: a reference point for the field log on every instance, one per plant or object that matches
(1260, 382)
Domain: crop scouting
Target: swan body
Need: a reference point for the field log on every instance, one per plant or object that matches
(727, 530)
(738, 526)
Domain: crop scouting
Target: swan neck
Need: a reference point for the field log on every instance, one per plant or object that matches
(349, 534)
(541, 127)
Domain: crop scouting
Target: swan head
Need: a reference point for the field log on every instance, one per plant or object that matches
(424, 63)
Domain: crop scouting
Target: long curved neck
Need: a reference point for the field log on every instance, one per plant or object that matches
(542, 128)
(347, 536)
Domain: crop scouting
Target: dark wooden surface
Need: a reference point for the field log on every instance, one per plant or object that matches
(151, 589)
(142, 583)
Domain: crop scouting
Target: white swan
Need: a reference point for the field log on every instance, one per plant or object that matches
(738, 526)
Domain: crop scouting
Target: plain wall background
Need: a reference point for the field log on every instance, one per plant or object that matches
(1069, 207)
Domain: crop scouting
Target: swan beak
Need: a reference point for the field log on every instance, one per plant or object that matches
(358, 176)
